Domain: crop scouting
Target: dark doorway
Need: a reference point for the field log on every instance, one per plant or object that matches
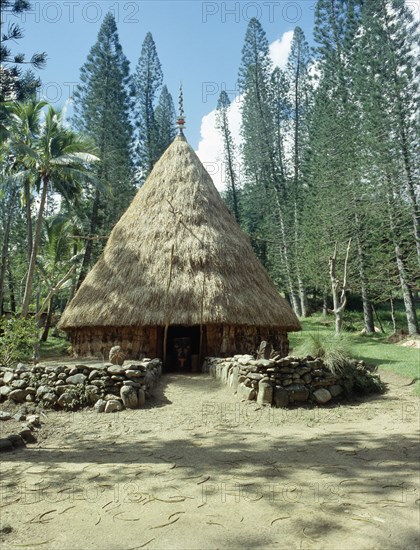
(183, 349)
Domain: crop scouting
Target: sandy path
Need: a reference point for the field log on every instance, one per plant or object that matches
(198, 469)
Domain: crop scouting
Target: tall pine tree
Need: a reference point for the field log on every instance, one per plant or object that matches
(102, 107)
(165, 120)
(148, 81)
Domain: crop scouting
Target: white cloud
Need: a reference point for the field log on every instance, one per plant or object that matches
(210, 147)
(280, 48)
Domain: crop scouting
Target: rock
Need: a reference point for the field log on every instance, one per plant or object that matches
(141, 398)
(113, 406)
(8, 377)
(64, 388)
(264, 351)
(27, 435)
(335, 390)
(4, 391)
(116, 355)
(16, 440)
(298, 392)
(244, 359)
(98, 383)
(264, 363)
(93, 375)
(131, 383)
(42, 390)
(5, 445)
(115, 369)
(265, 393)
(100, 405)
(5, 415)
(49, 398)
(33, 420)
(72, 371)
(21, 367)
(76, 379)
(133, 374)
(234, 378)
(65, 400)
(19, 416)
(18, 396)
(322, 396)
(255, 376)
(281, 397)
(129, 397)
(245, 392)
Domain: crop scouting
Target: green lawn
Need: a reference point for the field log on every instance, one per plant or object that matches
(54, 347)
(374, 350)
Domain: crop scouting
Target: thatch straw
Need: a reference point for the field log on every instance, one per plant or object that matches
(215, 277)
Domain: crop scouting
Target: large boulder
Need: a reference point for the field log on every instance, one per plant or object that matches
(281, 397)
(265, 393)
(18, 396)
(113, 405)
(322, 396)
(129, 397)
(76, 379)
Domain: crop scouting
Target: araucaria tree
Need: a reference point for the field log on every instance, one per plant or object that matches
(102, 106)
(148, 81)
(229, 158)
(165, 120)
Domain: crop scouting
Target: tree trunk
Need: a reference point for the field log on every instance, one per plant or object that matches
(394, 323)
(367, 306)
(11, 290)
(304, 304)
(89, 245)
(48, 319)
(339, 301)
(294, 296)
(32, 263)
(28, 198)
(410, 310)
(5, 247)
(325, 302)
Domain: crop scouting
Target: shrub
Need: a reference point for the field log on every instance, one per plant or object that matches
(335, 352)
(18, 338)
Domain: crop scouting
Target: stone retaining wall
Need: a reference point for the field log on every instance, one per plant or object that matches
(106, 386)
(279, 381)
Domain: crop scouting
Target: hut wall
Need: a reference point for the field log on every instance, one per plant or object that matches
(139, 342)
(228, 340)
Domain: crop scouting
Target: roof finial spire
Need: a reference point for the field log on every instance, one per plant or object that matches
(180, 121)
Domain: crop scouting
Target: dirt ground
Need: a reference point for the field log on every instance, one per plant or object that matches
(198, 469)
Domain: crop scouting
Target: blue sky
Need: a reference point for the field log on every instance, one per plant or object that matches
(198, 42)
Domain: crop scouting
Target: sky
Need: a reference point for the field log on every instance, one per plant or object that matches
(198, 43)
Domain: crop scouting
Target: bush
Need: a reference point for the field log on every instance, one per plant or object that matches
(335, 352)
(18, 338)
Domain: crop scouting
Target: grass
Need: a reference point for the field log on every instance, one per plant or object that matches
(374, 350)
(54, 347)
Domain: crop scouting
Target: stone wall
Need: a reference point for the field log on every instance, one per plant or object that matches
(279, 381)
(106, 386)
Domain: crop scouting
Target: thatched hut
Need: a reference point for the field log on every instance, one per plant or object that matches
(177, 277)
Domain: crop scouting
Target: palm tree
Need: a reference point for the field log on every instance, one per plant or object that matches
(57, 159)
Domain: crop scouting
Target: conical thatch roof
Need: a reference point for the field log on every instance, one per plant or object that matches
(215, 277)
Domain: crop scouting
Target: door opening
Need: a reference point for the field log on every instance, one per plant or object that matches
(183, 349)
